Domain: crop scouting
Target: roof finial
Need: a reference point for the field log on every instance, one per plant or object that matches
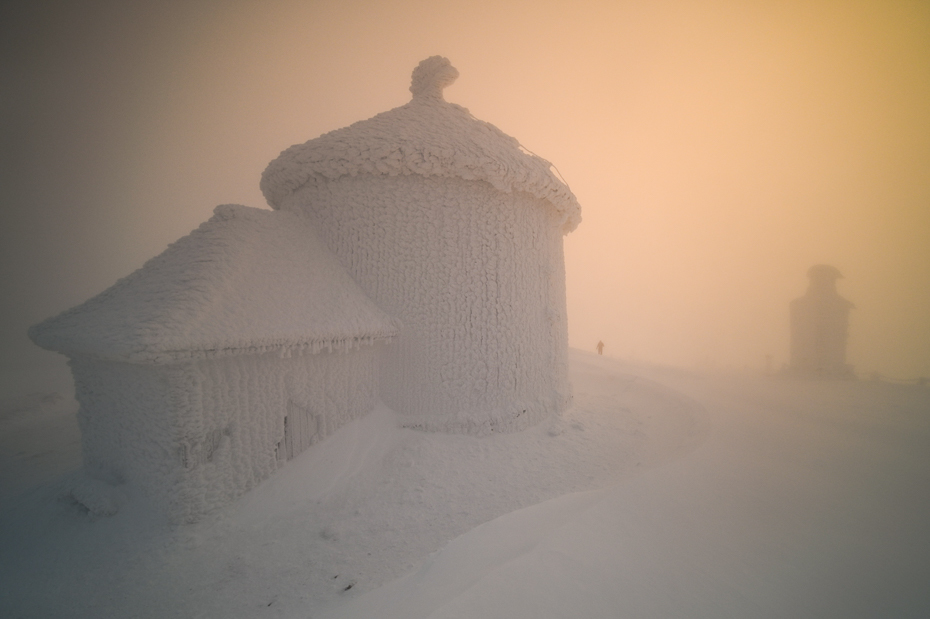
(431, 76)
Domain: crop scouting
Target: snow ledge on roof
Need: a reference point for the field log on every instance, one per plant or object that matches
(248, 281)
(427, 136)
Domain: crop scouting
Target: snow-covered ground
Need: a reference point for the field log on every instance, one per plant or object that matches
(660, 494)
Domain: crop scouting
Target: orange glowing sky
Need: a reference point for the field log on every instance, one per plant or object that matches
(718, 148)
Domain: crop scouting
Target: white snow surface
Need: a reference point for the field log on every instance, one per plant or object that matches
(659, 494)
(246, 281)
(428, 137)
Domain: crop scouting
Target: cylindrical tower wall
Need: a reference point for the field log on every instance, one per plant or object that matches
(476, 277)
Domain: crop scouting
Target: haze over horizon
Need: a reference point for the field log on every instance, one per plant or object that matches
(718, 149)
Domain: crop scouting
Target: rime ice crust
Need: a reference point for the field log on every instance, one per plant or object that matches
(207, 369)
(192, 436)
(431, 76)
(476, 278)
(246, 281)
(414, 257)
(426, 137)
(454, 229)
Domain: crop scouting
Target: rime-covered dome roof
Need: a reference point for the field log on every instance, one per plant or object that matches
(427, 136)
(248, 280)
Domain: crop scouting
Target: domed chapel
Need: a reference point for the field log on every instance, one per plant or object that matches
(413, 258)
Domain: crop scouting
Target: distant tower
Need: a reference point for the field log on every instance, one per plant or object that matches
(819, 325)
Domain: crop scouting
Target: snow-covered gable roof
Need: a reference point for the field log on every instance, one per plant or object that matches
(427, 136)
(246, 281)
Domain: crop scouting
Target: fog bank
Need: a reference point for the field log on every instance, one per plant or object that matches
(718, 149)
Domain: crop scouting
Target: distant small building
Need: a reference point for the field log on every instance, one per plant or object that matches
(819, 327)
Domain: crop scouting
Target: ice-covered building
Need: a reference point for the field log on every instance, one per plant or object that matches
(204, 371)
(414, 257)
(819, 326)
(451, 226)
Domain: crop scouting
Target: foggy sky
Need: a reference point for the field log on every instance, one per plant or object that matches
(718, 149)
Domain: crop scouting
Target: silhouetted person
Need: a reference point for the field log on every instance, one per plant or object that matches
(819, 324)
(600, 348)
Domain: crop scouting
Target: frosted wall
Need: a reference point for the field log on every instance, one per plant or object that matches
(193, 436)
(476, 277)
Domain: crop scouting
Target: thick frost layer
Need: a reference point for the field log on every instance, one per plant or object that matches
(185, 371)
(427, 137)
(192, 436)
(246, 281)
(476, 278)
